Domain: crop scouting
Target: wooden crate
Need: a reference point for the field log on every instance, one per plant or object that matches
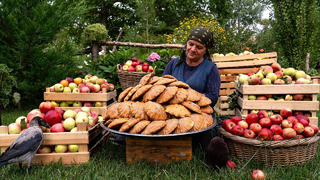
(88, 142)
(222, 107)
(248, 105)
(158, 150)
(103, 97)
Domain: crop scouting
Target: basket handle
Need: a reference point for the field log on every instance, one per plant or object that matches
(154, 70)
(118, 67)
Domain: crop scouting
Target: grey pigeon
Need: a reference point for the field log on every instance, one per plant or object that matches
(26, 145)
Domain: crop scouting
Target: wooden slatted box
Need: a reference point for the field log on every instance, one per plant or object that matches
(230, 67)
(248, 105)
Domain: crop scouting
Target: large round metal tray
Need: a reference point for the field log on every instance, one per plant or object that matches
(158, 136)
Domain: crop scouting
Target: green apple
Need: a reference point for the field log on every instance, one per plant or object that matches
(64, 104)
(260, 75)
(77, 104)
(290, 72)
(76, 90)
(271, 76)
(80, 119)
(55, 103)
(81, 113)
(58, 87)
(60, 148)
(97, 104)
(243, 78)
(21, 118)
(67, 90)
(252, 97)
(69, 124)
(86, 109)
(288, 97)
(100, 119)
(125, 68)
(73, 148)
(14, 128)
(74, 129)
(72, 86)
(69, 114)
(93, 79)
(88, 76)
(300, 74)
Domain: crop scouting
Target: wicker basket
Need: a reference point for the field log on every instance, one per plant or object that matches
(272, 153)
(129, 79)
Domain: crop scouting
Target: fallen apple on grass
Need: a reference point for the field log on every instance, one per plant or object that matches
(258, 175)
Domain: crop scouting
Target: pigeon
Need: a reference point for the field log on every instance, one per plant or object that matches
(26, 145)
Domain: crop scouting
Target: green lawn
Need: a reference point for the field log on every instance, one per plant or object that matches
(110, 163)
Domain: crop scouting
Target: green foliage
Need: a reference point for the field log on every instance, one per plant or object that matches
(94, 33)
(7, 83)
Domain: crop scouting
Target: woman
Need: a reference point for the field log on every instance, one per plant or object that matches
(195, 68)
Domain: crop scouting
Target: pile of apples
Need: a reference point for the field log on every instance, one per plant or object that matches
(58, 119)
(135, 65)
(88, 84)
(282, 97)
(277, 127)
(60, 148)
(275, 74)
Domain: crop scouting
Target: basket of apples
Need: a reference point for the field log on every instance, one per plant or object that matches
(279, 140)
(132, 71)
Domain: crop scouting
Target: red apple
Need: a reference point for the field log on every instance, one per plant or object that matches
(248, 133)
(279, 82)
(253, 80)
(277, 137)
(59, 110)
(105, 85)
(140, 61)
(85, 89)
(297, 113)
(299, 136)
(252, 118)
(237, 130)
(265, 122)
(44, 149)
(288, 133)
(229, 125)
(53, 117)
(134, 64)
(292, 119)
(250, 73)
(236, 119)
(32, 114)
(285, 113)
(303, 117)
(315, 128)
(266, 70)
(134, 59)
(131, 69)
(276, 129)
(286, 124)
(279, 74)
(145, 68)
(225, 122)
(261, 50)
(304, 122)
(262, 114)
(297, 97)
(276, 119)
(150, 69)
(276, 66)
(308, 131)
(231, 165)
(46, 106)
(298, 127)
(265, 134)
(261, 98)
(255, 127)
(243, 124)
(58, 127)
(247, 48)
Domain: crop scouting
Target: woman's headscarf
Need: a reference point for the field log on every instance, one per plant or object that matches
(202, 35)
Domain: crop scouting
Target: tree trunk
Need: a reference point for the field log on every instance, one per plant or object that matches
(307, 62)
(114, 49)
(95, 51)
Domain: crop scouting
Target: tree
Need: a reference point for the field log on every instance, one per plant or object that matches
(30, 43)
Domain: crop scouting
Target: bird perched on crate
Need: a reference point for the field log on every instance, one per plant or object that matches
(26, 145)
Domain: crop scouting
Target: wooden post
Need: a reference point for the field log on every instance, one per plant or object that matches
(307, 62)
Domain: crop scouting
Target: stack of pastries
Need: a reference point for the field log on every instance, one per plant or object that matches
(159, 106)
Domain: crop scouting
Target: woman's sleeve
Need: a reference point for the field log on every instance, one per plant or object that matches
(213, 85)
(168, 68)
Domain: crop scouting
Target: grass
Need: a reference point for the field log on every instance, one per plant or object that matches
(110, 163)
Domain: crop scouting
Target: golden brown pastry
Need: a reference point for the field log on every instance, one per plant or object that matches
(208, 118)
(154, 79)
(123, 94)
(129, 124)
(165, 81)
(178, 110)
(199, 122)
(154, 92)
(141, 92)
(204, 101)
(139, 126)
(108, 122)
(206, 109)
(112, 111)
(179, 84)
(124, 109)
(184, 125)
(169, 76)
(155, 111)
(193, 95)
(192, 106)
(167, 94)
(144, 80)
(131, 92)
(153, 127)
(137, 110)
(117, 123)
(179, 97)
(171, 125)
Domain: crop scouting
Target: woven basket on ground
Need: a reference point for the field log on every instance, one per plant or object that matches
(130, 79)
(272, 153)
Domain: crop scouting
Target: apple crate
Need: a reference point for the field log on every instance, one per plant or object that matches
(88, 141)
(222, 107)
(248, 105)
(103, 97)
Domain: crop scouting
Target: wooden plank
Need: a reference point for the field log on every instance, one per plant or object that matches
(56, 96)
(278, 105)
(238, 70)
(159, 150)
(279, 89)
(223, 105)
(227, 85)
(66, 158)
(226, 92)
(223, 112)
(244, 57)
(246, 63)
(228, 78)
(223, 98)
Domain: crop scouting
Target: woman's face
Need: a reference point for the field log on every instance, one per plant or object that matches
(195, 50)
